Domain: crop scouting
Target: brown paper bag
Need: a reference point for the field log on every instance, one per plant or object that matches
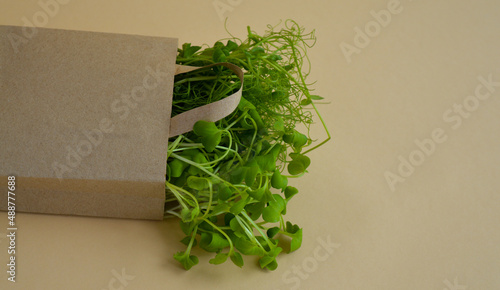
(85, 120)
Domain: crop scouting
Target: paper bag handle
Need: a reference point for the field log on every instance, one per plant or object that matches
(212, 112)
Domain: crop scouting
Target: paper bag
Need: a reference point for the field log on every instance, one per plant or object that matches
(85, 120)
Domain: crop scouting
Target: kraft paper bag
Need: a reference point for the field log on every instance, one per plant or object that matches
(85, 120)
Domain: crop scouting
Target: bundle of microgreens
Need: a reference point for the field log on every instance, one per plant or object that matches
(228, 180)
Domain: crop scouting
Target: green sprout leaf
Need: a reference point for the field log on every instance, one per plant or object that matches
(272, 212)
(198, 183)
(279, 181)
(298, 164)
(238, 175)
(237, 259)
(290, 191)
(247, 247)
(296, 139)
(238, 206)
(296, 234)
(255, 209)
(245, 105)
(219, 55)
(279, 126)
(189, 215)
(224, 192)
(251, 174)
(269, 260)
(188, 50)
(316, 97)
(219, 259)
(213, 242)
(186, 260)
(231, 45)
(209, 133)
(177, 167)
(271, 232)
(296, 240)
(291, 228)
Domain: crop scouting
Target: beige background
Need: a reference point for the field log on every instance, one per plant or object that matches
(439, 229)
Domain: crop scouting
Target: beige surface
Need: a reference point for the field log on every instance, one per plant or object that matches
(439, 229)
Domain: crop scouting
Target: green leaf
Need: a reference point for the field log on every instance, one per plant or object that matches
(218, 44)
(271, 232)
(269, 260)
(211, 141)
(266, 162)
(296, 240)
(186, 260)
(238, 206)
(268, 196)
(247, 247)
(257, 193)
(228, 217)
(316, 97)
(237, 175)
(251, 174)
(245, 105)
(305, 102)
(272, 212)
(265, 244)
(257, 50)
(220, 208)
(198, 183)
(279, 181)
(205, 128)
(189, 215)
(200, 158)
(188, 50)
(209, 133)
(275, 57)
(299, 140)
(224, 192)
(275, 151)
(268, 263)
(231, 45)
(237, 259)
(176, 167)
(290, 191)
(279, 126)
(205, 226)
(186, 227)
(213, 242)
(254, 210)
(219, 259)
(296, 139)
(219, 55)
(299, 164)
(291, 228)
(273, 265)
(288, 138)
(256, 117)
(237, 229)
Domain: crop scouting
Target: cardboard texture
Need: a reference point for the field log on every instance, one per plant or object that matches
(85, 121)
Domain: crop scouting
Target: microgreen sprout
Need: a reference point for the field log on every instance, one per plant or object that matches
(229, 179)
